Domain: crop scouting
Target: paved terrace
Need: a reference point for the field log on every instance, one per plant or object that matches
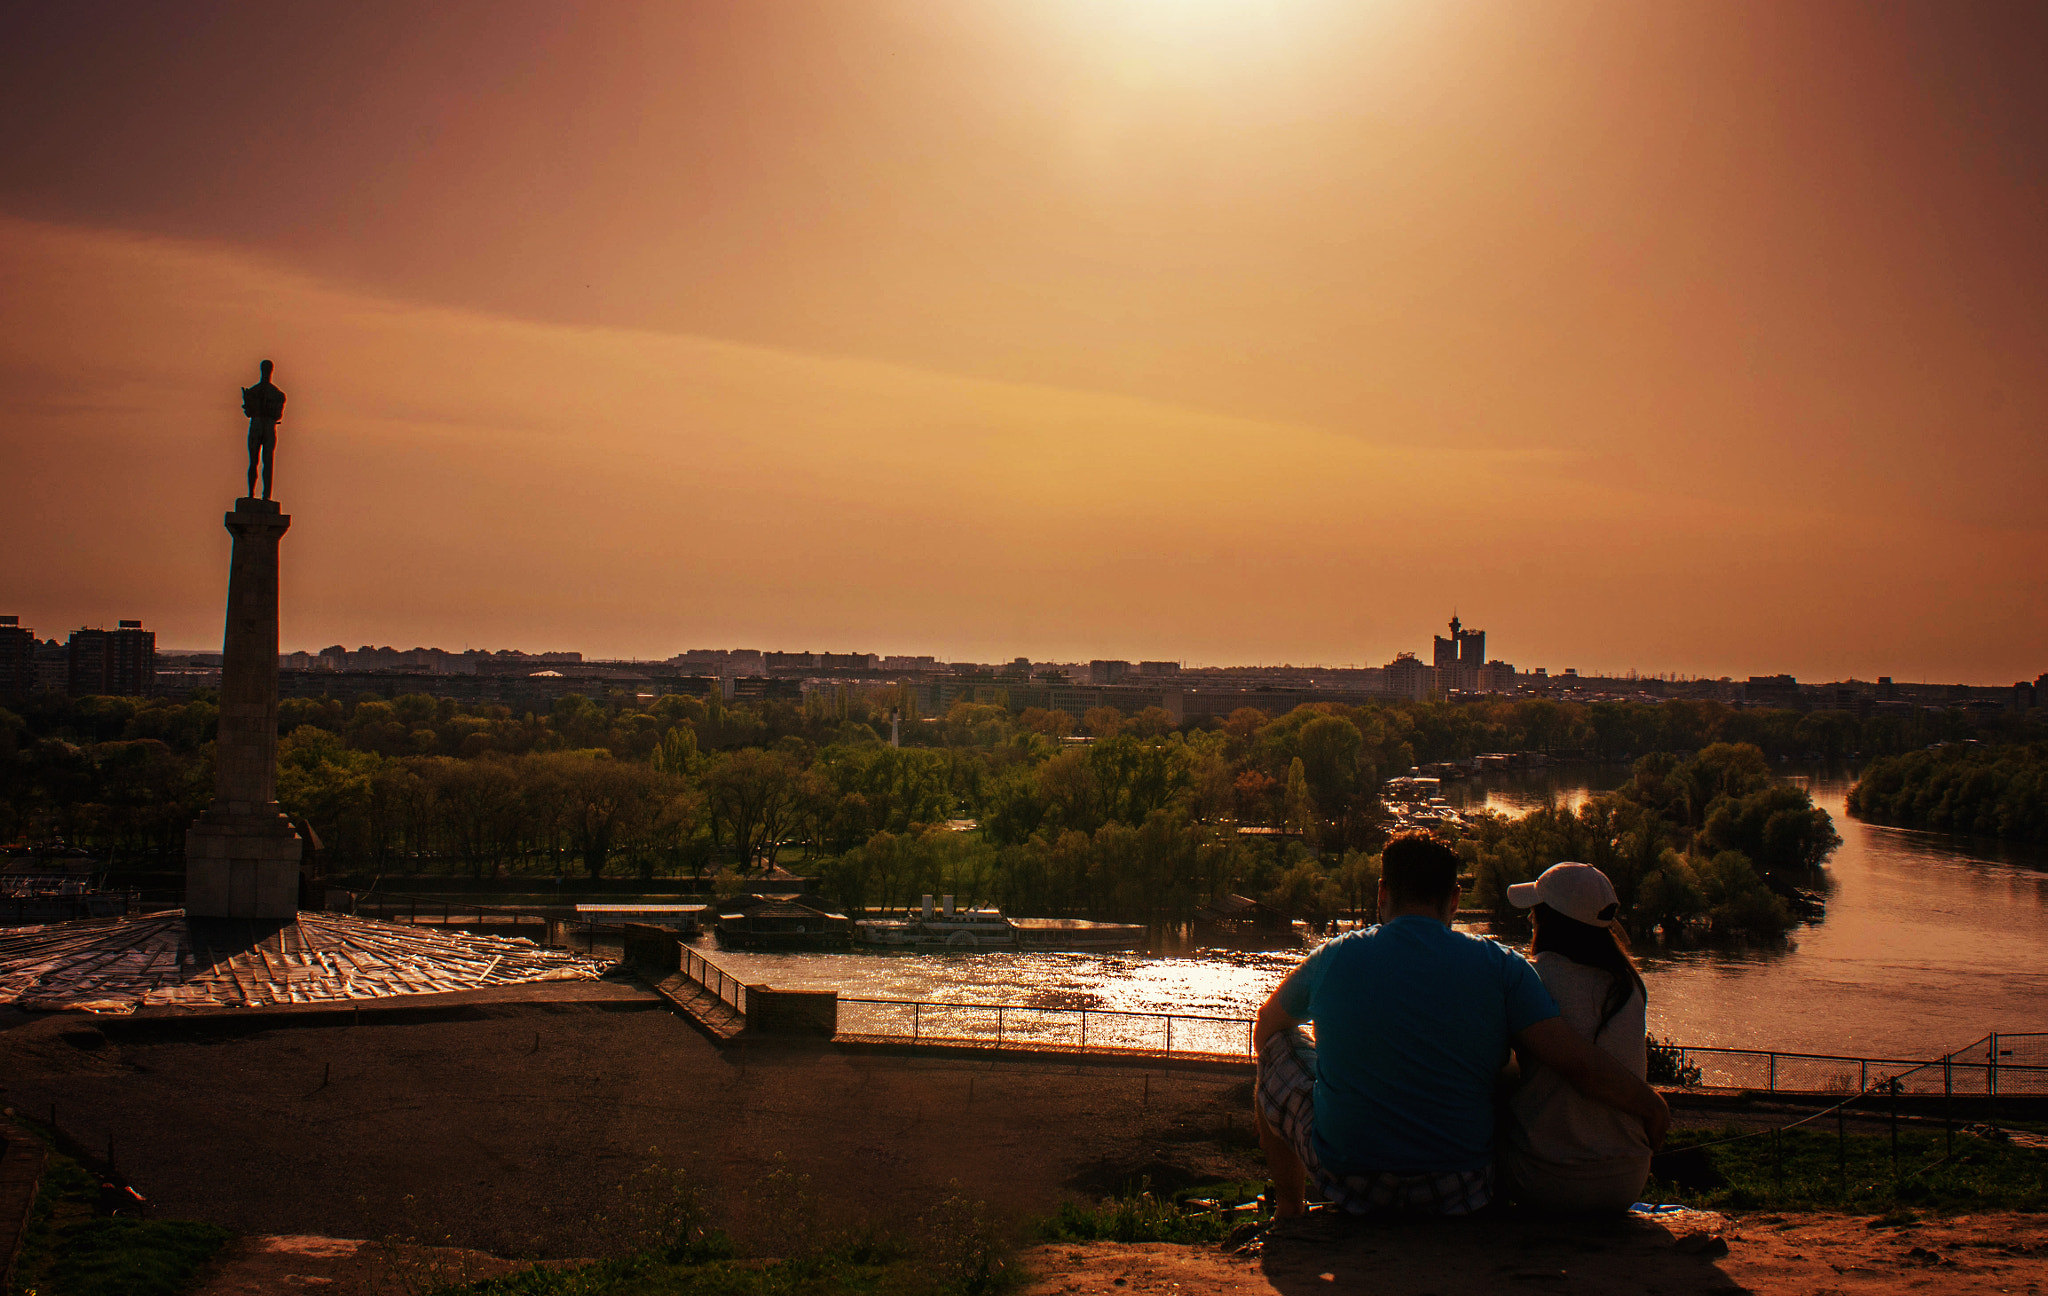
(116, 965)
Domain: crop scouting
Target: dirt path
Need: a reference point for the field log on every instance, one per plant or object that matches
(1689, 1255)
(1694, 1255)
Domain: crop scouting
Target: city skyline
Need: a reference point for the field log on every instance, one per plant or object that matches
(1669, 336)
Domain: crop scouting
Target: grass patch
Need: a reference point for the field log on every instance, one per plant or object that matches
(70, 1250)
(1806, 1170)
(954, 1250)
(1143, 1216)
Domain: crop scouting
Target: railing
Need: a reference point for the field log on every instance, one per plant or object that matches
(444, 913)
(714, 979)
(1023, 1026)
(1997, 1064)
(2013, 1063)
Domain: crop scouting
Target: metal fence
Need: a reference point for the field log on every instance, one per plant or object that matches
(1023, 1026)
(446, 913)
(1997, 1064)
(715, 979)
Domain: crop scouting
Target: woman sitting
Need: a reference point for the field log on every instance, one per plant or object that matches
(1559, 1150)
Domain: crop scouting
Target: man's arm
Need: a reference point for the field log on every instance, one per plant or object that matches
(1587, 1068)
(1272, 1019)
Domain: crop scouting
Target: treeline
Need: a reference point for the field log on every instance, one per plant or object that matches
(1139, 821)
(1986, 789)
(1715, 842)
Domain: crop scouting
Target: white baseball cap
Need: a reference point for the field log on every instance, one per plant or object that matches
(1578, 891)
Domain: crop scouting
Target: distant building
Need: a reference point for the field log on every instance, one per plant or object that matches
(17, 659)
(910, 663)
(848, 661)
(1406, 676)
(53, 667)
(1771, 690)
(1158, 669)
(112, 663)
(1460, 661)
(1107, 672)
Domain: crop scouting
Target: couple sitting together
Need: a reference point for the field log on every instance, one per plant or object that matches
(1393, 1106)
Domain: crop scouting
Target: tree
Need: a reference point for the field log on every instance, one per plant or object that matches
(605, 803)
(1300, 808)
(1103, 721)
(748, 794)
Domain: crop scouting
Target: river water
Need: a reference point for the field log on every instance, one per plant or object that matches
(1929, 942)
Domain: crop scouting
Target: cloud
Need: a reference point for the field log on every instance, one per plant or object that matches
(456, 477)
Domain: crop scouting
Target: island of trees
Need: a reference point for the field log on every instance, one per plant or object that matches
(1988, 789)
(1105, 815)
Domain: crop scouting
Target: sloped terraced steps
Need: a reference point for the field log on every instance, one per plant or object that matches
(115, 965)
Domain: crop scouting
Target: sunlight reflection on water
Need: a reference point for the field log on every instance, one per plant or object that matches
(1928, 943)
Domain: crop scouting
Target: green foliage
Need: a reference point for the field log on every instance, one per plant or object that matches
(1990, 790)
(1139, 823)
(1668, 1065)
(1140, 1215)
(1682, 842)
(956, 1249)
(68, 1250)
(1800, 1172)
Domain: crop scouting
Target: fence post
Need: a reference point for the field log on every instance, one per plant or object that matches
(1862, 1074)
(1774, 1073)
(1169, 1034)
(999, 1025)
(1991, 1071)
(1948, 1105)
(1895, 1087)
(913, 1021)
(1084, 1030)
(1841, 1153)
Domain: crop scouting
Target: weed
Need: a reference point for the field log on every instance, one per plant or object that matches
(69, 1250)
(1813, 1172)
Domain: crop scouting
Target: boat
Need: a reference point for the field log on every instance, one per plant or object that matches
(1077, 934)
(782, 922)
(944, 928)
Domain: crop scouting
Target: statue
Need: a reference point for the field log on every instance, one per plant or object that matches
(264, 404)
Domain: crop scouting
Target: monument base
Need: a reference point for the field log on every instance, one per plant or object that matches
(242, 865)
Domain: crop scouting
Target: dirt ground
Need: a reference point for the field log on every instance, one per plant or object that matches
(506, 1130)
(499, 1127)
(1691, 1255)
(1696, 1254)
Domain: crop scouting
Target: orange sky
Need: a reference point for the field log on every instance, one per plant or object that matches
(1692, 337)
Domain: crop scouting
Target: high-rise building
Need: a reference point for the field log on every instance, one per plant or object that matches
(1461, 658)
(17, 659)
(119, 662)
(1465, 648)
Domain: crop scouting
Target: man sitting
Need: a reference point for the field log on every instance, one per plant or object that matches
(1392, 1107)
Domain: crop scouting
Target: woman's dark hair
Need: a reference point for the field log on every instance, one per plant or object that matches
(1605, 948)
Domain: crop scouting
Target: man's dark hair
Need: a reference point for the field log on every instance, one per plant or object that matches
(1419, 868)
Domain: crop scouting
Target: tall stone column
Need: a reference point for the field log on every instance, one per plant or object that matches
(242, 855)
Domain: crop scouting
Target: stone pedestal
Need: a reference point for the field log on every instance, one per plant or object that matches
(242, 855)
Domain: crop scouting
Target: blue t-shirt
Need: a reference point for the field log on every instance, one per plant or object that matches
(1412, 1025)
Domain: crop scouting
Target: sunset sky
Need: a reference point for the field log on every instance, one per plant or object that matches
(1696, 337)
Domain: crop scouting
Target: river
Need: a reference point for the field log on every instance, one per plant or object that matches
(1929, 942)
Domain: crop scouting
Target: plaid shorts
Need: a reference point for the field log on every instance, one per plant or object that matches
(1286, 1098)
